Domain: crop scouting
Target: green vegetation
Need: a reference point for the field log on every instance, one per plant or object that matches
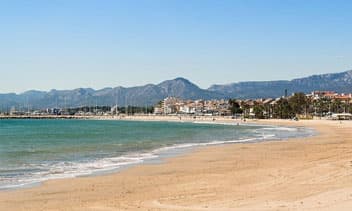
(235, 107)
(298, 105)
(258, 110)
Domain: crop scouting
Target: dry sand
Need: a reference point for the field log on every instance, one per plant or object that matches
(313, 173)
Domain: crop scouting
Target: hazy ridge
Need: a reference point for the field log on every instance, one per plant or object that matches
(180, 87)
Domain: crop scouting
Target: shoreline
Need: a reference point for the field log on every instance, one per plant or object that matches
(135, 177)
(158, 155)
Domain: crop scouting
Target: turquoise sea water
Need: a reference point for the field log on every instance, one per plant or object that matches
(32, 151)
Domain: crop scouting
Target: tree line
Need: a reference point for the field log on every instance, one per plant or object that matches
(298, 105)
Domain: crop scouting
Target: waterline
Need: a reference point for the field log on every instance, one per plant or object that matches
(33, 151)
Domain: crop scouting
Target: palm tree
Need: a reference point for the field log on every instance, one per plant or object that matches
(337, 106)
(235, 107)
(322, 106)
(245, 107)
(298, 103)
(258, 110)
(283, 109)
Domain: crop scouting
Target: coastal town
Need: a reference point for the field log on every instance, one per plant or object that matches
(318, 104)
(190, 105)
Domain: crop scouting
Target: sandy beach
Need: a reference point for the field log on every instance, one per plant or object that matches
(313, 173)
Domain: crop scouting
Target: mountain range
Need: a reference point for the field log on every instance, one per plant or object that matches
(338, 82)
(180, 87)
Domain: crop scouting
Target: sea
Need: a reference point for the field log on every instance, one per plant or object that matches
(33, 151)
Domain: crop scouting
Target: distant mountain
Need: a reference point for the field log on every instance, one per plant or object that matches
(140, 95)
(339, 82)
(183, 88)
(180, 87)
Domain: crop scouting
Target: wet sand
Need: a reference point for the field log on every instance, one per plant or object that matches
(313, 173)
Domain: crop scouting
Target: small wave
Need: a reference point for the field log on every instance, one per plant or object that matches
(62, 170)
(189, 145)
(291, 129)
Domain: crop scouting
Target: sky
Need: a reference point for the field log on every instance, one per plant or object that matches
(84, 43)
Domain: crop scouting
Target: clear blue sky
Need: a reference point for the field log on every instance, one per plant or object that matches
(69, 44)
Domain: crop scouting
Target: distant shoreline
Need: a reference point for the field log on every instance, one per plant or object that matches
(141, 117)
(128, 117)
(41, 117)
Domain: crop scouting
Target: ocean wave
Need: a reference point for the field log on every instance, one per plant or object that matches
(62, 170)
(292, 129)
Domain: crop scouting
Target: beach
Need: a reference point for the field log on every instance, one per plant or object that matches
(312, 173)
